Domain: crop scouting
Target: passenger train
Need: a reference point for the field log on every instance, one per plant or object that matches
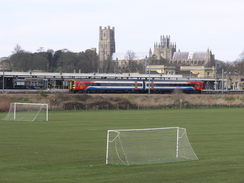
(133, 86)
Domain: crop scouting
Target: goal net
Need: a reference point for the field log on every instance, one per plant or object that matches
(27, 112)
(147, 146)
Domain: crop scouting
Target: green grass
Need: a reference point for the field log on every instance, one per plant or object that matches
(71, 147)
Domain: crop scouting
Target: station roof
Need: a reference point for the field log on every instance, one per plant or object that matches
(58, 75)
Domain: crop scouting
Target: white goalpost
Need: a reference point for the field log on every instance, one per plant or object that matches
(27, 112)
(148, 146)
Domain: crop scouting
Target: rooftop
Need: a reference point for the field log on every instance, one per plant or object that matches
(190, 55)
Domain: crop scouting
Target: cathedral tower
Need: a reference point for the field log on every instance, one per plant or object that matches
(164, 49)
(106, 43)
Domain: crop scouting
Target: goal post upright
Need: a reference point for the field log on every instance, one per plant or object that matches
(177, 142)
(107, 147)
(14, 111)
(47, 112)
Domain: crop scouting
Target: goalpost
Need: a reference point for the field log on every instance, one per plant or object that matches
(27, 112)
(147, 146)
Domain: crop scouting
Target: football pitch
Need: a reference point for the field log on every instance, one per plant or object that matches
(71, 147)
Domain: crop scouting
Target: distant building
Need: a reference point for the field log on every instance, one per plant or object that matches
(193, 58)
(163, 50)
(197, 71)
(162, 69)
(106, 43)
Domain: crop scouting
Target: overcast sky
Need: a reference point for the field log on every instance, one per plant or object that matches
(194, 25)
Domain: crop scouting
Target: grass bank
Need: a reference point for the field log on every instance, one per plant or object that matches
(123, 101)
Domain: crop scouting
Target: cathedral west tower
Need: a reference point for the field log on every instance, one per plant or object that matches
(106, 43)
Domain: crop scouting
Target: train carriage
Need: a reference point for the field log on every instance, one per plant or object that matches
(106, 86)
(159, 86)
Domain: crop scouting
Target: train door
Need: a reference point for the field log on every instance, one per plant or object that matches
(71, 85)
(152, 85)
(136, 86)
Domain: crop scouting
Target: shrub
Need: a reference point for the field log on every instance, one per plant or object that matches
(4, 104)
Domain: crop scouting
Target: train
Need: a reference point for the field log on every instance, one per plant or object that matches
(134, 86)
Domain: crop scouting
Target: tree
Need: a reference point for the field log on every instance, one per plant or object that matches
(67, 62)
(87, 61)
(92, 58)
(59, 61)
(40, 61)
(241, 56)
(21, 61)
(17, 49)
(53, 64)
(130, 57)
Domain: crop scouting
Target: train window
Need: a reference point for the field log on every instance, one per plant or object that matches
(113, 84)
(91, 84)
(172, 85)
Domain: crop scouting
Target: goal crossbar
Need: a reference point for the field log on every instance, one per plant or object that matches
(143, 129)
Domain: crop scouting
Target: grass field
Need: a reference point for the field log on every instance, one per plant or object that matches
(71, 147)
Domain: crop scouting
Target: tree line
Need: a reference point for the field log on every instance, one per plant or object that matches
(52, 61)
(87, 62)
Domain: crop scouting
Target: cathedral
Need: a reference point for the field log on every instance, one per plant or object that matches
(165, 49)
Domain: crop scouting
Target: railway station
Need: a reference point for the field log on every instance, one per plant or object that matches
(45, 80)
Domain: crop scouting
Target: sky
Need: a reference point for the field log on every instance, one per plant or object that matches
(194, 25)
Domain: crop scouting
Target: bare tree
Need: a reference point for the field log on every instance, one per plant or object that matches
(130, 58)
(17, 49)
(241, 56)
(130, 55)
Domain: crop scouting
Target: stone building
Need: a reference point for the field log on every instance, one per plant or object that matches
(198, 64)
(162, 69)
(193, 58)
(163, 50)
(106, 43)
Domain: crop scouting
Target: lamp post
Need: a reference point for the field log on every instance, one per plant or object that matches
(149, 72)
(215, 76)
(3, 77)
(222, 85)
(149, 79)
(239, 79)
